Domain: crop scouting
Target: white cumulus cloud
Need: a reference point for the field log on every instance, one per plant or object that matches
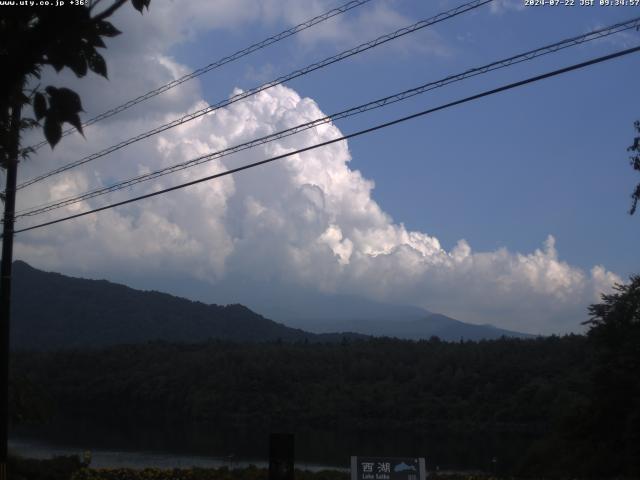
(307, 221)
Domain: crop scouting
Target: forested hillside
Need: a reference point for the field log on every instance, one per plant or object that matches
(527, 387)
(566, 406)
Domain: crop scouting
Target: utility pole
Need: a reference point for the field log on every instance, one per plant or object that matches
(34, 40)
(5, 281)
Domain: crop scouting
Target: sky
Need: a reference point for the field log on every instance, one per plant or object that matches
(510, 210)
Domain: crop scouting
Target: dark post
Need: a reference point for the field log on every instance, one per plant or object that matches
(281, 454)
(5, 287)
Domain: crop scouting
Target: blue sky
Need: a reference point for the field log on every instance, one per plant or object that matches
(503, 173)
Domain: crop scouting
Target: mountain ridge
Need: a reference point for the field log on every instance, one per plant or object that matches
(71, 312)
(430, 325)
(78, 313)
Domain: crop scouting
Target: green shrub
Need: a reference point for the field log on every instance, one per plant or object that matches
(58, 468)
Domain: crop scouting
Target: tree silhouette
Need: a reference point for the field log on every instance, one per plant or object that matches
(31, 38)
(34, 37)
(635, 163)
(614, 418)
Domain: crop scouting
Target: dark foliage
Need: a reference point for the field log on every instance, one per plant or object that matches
(635, 163)
(34, 37)
(613, 426)
(574, 400)
(527, 387)
(28, 402)
(71, 468)
(58, 468)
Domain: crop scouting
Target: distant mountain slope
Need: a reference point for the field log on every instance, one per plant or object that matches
(52, 311)
(430, 324)
(336, 308)
(321, 312)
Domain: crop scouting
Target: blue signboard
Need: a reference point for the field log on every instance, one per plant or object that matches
(388, 468)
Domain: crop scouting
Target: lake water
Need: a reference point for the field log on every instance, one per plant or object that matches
(101, 458)
(139, 447)
(178, 447)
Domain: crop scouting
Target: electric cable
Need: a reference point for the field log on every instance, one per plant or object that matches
(219, 63)
(280, 80)
(515, 59)
(344, 137)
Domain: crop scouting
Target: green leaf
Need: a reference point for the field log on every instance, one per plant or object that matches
(74, 120)
(64, 100)
(64, 107)
(97, 63)
(96, 41)
(140, 4)
(55, 60)
(52, 129)
(77, 63)
(39, 105)
(105, 29)
(71, 98)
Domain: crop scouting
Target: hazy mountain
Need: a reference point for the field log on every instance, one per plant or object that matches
(405, 327)
(314, 308)
(51, 311)
(310, 310)
(321, 313)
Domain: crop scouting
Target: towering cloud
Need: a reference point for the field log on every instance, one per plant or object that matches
(307, 221)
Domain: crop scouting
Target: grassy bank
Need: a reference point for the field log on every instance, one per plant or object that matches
(72, 468)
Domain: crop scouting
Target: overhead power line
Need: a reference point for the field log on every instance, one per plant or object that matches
(218, 63)
(283, 79)
(515, 59)
(344, 137)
